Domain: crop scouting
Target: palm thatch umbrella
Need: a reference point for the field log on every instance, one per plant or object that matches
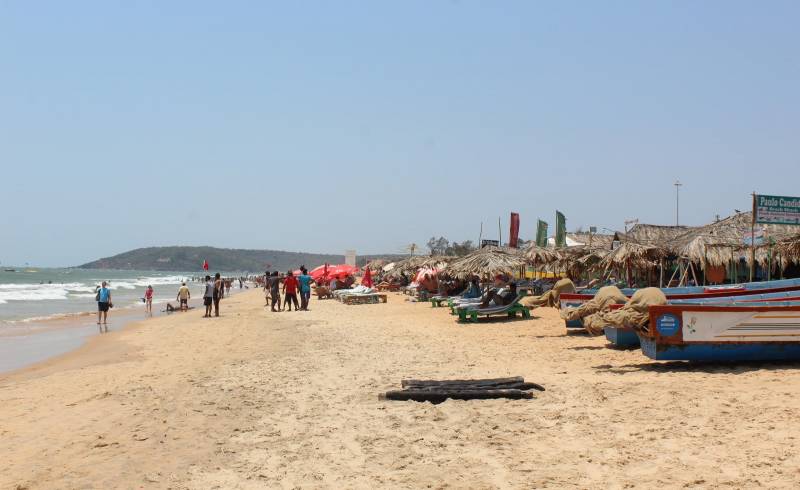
(377, 265)
(539, 255)
(487, 261)
(632, 255)
(411, 265)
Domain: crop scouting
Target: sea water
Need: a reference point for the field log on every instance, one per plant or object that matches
(36, 294)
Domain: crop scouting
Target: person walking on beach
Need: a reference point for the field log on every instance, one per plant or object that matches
(208, 296)
(290, 291)
(219, 292)
(305, 288)
(275, 291)
(103, 298)
(183, 296)
(148, 300)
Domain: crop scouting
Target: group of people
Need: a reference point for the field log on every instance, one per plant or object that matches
(291, 286)
(213, 294)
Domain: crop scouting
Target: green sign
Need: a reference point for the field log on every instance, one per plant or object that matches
(561, 229)
(541, 234)
(777, 210)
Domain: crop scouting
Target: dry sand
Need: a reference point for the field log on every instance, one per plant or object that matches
(290, 400)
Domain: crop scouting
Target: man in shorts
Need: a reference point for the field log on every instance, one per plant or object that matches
(183, 296)
(275, 291)
(208, 296)
(103, 304)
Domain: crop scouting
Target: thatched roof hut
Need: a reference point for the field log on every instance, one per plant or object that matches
(658, 235)
(377, 265)
(592, 240)
(634, 255)
(411, 265)
(487, 261)
(789, 248)
(718, 243)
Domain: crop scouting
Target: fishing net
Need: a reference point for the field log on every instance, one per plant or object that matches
(550, 298)
(635, 313)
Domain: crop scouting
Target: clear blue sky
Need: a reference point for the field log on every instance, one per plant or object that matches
(321, 126)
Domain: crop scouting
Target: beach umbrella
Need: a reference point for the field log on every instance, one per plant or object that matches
(341, 271)
(487, 262)
(367, 279)
(319, 273)
(425, 271)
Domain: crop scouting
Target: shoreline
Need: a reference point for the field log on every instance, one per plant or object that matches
(24, 344)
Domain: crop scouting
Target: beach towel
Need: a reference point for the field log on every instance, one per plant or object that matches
(635, 313)
(602, 301)
(552, 297)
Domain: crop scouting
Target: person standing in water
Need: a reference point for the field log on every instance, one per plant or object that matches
(103, 298)
(148, 300)
(208, 296)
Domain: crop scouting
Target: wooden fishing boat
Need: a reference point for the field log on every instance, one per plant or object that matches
(696, 292)
(739, 331)
(627, 337)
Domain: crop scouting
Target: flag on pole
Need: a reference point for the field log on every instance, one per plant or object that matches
(541, 234)
(561, 230)
(205, 265)
(513, 241)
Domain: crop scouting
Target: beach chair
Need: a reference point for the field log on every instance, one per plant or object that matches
(468, 314)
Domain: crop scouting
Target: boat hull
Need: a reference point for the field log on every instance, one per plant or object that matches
(621, 337)
(574, 323)
(764, 332)
(699, 292)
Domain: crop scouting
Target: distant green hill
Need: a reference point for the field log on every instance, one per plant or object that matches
(188, 259)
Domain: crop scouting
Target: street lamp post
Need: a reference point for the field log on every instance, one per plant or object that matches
(677, 202)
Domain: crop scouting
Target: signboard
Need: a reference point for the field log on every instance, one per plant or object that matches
(777, 210)
(350, 257)
(487, 243)
(749, 238)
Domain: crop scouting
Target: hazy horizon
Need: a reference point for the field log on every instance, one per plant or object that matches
(321, 127)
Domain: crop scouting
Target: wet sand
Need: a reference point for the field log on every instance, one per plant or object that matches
(290, 400)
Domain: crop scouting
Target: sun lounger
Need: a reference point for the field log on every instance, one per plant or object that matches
(362, 299)
(511, 310)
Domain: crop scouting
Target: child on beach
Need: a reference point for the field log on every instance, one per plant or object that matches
(290, 291)
(148, 300)
(103, 297)
(208, 296)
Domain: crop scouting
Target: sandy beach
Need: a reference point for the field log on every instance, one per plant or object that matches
(261, 400)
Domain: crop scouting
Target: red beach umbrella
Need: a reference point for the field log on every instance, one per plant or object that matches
(320, 272)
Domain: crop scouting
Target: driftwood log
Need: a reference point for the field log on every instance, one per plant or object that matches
(440, 395)
(463, 389)
(524, 386)
(452, 382)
